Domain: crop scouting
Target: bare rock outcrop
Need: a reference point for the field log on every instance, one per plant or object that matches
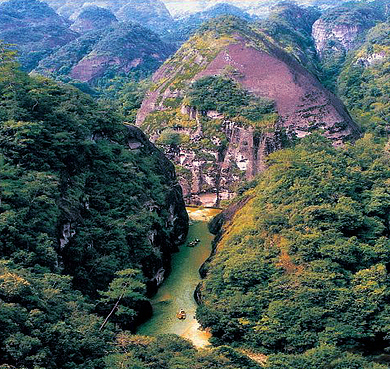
(342, 29)
(212, 166)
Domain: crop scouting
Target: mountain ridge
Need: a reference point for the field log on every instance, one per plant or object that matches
(229, 47)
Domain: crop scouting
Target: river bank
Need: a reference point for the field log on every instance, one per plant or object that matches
(177, 291)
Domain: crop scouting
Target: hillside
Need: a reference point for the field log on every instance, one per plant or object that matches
(106, 53)
(220, 134)
(301, 268)
(82, 202)
(34, 28)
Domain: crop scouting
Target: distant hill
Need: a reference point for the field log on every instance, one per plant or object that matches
(150, 13)
(92, 18)
(119, 49)
(34, 28)
(185, 27)
(260, 8)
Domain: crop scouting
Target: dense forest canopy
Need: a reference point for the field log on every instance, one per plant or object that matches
(305, 262)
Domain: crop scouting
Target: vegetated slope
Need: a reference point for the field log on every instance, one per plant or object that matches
(34, 28)
(342, 29)
(301, 270)
(90, 211)
(107, 53)
(217, 144)
(364, 82)
(83, 194)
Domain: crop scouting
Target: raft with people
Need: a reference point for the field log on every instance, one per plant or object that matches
(181, 315)
(194, 242)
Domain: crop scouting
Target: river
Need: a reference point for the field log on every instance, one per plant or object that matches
(177, 291)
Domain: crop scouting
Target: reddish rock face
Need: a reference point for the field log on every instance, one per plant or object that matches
(302, 103)
(92, 68)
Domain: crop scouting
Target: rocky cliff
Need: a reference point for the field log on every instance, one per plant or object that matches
(342, 29)
(166, 236)
(214, 150)
(364, 84)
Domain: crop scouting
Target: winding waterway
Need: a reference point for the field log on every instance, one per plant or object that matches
(177, 291)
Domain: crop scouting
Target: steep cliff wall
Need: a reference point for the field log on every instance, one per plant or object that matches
(340, 30)
(364, 82)
(214, 151)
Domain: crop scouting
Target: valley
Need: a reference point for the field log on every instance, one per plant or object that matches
(194, 185)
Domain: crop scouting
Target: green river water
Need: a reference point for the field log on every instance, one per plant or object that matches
(177, 291)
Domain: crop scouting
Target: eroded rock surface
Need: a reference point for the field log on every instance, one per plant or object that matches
(211, 164)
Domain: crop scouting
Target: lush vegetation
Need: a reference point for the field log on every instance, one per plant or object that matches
(304, 265)
(226, 97)
(172, 352)
(76, 211)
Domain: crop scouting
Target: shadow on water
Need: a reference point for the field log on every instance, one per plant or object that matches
(177, 291)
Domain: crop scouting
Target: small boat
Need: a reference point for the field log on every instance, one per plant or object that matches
(194, 242)
(181, 315)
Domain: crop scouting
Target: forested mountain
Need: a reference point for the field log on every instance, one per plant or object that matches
(150, 13)
(35, 28)
(91, 47)
(301, 269)
(106, 53)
